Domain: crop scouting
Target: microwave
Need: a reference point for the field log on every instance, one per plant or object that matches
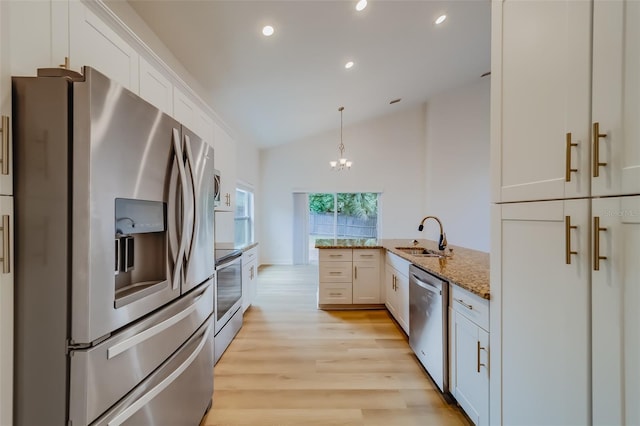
(216, 188)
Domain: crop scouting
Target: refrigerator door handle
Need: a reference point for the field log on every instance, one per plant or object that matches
(192, 213)
(153, 392)
(183, 179)
(136, 339)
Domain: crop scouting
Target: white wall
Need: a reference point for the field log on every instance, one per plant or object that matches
(457, 164)
(388, 155)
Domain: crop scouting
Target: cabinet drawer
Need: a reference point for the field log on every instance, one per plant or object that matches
(335, 272)
(471, 306)
(399, 264)
(250, 255)
(366, 254)
(331, 255)
(334, 293)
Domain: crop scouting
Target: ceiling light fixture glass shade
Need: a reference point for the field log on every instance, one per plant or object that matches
(342, 163)
(361, 5)
(268, 30)
(441, 19)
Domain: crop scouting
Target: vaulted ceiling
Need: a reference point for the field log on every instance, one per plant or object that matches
(282, 88)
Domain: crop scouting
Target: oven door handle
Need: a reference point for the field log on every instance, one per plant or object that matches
(229, 263)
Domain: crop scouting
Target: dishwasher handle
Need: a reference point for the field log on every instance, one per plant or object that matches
(427, 286)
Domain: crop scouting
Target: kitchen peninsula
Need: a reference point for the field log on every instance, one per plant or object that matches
(466, 268)
(454, 345)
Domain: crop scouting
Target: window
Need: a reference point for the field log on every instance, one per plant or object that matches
(244, 217)
(342, 215)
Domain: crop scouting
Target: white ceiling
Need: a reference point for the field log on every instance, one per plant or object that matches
(279, 89)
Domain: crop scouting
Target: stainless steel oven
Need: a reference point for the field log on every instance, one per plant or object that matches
(228, 298)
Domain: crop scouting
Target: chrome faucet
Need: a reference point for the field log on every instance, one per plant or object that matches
(442, 243)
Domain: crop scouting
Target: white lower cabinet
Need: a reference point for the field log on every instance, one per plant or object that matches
(469, 354)
(249, 277)
(366, 276)
(397, 289)
(349, 277)
(615, 322)
(6, 311)
(543, 364)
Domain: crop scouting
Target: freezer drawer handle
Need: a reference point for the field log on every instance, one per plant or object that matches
(132, 341)
(133, 408)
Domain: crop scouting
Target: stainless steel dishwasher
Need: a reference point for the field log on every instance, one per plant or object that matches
(428, 324)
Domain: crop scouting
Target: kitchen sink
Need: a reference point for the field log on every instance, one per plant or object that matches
(420, 251)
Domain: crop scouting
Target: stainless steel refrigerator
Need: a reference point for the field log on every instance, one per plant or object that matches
(114, 257)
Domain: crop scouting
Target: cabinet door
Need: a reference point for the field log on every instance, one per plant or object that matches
(616, 97)
(6, 311)
(470, 381)
(615, 301)
(402, 290)
(246, 278)
(6, 180)
(366, 281)
(184, 110)
(225, 161)
(545, 313)
(540, 92)
(92, 42)
(391, 298)
(155, 88)
(253, 281)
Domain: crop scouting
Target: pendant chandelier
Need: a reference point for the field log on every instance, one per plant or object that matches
(342, 163)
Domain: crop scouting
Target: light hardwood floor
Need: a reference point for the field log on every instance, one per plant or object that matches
(292, 364)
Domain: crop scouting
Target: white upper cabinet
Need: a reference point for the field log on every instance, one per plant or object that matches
(92, 42)
(616, 98)
(540, 94)
(565, 99)
(184, 109)
(225, 162)
(155, 88)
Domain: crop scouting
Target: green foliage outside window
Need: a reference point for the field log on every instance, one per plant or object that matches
(359, 204)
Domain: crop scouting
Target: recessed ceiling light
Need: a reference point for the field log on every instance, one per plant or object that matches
(267, 30)
(361, 5)
(441, 19)
(348, 65)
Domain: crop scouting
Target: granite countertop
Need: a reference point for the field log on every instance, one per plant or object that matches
(230, 245)
(465, 268)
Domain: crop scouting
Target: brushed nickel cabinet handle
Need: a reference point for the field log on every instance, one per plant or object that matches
(460, 301)
(6, 247)
(335, 273)
(567, 238)
(479, 364)
(568, 170)
(596, 243)
(355, 272)
(335, 255)
(596, 149)
(5, 145)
